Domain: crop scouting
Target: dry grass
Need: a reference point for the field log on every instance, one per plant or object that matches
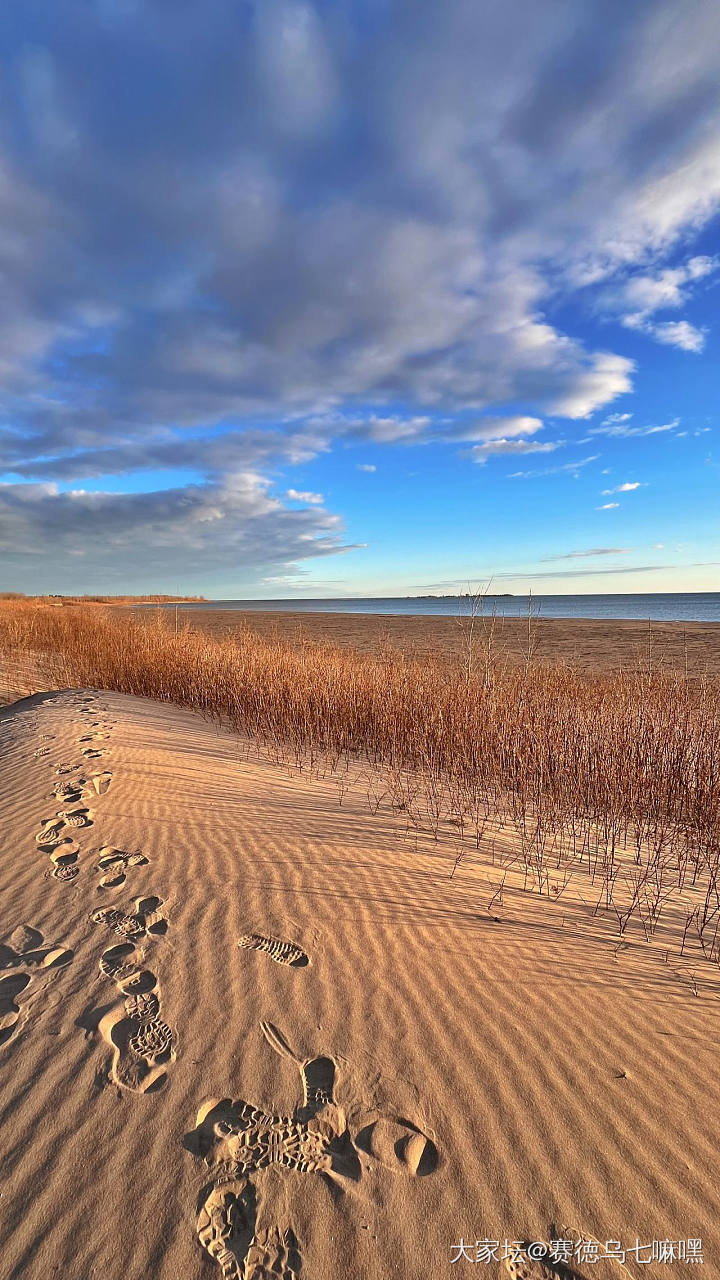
(617, 774)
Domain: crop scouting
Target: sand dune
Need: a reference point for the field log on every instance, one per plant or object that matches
(248, 1031)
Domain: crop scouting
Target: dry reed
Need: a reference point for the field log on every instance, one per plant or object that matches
(617, 773)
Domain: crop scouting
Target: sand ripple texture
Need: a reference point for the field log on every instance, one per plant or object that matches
(262, 1033)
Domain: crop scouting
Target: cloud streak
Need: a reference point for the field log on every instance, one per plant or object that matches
(570, 468)
(593, 551)
(623, 431)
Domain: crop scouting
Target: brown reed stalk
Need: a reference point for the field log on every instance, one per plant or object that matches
(609, 770)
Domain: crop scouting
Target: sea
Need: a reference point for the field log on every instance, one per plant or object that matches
(686, 606)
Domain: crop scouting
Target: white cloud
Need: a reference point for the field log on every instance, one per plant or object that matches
(209, 257)
(315, 499)
(678, 333)
(393, 430)
(640, 297)
(628, 487)
(494, 428)
(481, 452)
(607, 377)
(366, 466)
(504, 436)
(644, 295)
(608, 506)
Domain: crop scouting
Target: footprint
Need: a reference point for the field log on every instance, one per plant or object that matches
(523, 1267)
(64, 859)
(10, 989)
(76, 817)
(124, 964)
(25, 938)
(226, 1231)
(126, 926)
(101, 782)
(236, 1140)
(120, 962)
(273, 1253)
(113, 879)
(114, 863)
(142, 1043)
(317, 1074)
(65, 852)
(69, 791)
(240, 1138)
(148, 909)
(66, 768)
(65, 872)
(225, 1227)
(41, 751)
(318, 1077)
(282, 952)
(398, 1144)
(151, 1040)
(146, 918)
(51, 833)
(91, 753)
(25, 947)
(142, 1006)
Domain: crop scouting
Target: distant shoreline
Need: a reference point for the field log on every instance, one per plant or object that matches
(59, 599)
(700, 606)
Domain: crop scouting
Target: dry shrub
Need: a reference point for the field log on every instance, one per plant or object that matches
(616, 772)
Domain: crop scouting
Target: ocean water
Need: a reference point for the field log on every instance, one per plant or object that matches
(691, 606)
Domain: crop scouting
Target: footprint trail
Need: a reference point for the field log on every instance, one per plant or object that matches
(142, 1043)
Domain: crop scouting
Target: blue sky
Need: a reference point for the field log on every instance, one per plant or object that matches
(335, 298)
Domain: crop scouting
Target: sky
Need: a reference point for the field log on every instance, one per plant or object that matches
(359, 297)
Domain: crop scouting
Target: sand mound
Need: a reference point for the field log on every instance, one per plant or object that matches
(380, 1071)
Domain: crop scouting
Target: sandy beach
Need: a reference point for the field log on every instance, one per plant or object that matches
(394, 1059)
(588, 643)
